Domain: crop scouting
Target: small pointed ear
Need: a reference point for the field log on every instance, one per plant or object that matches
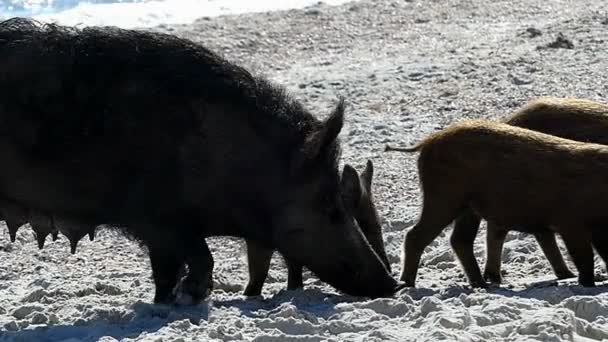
(318, 141)
(367, 175)
(351, 189)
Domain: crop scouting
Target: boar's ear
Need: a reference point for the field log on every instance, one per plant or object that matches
(319, 141)
(367, 175)
(350, 186)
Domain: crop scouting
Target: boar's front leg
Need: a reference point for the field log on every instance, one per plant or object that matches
(462, 240)
(258, 260)
(294, 275)
(165, 269)
(199, 281)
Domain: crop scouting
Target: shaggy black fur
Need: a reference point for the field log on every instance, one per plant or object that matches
(161, 136)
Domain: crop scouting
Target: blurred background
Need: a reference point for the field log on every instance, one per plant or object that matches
(141, 13)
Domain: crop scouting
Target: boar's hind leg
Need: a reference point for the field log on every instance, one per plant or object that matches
(546, 240)
(466, 227)
(438, 210)
(294, 275)
(578, 243)
(258, 260)
(165, 268)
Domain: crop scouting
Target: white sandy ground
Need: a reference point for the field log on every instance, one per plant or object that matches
(406, 68)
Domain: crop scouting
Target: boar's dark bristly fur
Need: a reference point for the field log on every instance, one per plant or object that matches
(162, 137)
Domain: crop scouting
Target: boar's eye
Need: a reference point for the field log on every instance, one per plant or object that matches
(334, 213)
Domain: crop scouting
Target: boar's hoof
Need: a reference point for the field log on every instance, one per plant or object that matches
(480, 284)
(400, 286)
(586, 281)
(164, 298)
(565, 274)
(92, 235)
(55, 235)
(198, 288)
(252, 290)
(492, 277)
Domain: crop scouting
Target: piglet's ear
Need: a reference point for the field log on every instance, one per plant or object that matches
(367, 175)
(350, 187)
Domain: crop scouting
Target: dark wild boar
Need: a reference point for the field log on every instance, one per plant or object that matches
(167, 141)
(358, 197)
(516, 178)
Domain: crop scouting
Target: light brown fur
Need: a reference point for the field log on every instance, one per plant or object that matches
(512, 177)
(570, 118)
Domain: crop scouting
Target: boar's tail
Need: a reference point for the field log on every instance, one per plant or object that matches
(414, 148)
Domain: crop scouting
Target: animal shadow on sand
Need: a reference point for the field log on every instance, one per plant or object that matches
(141, 318)
(307, 302)
(552, 291)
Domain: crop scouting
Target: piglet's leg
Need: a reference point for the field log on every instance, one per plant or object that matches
(437, 212)
(466, 227)
(578, 242)
(495, 240)
(546, 240)
(600, 242)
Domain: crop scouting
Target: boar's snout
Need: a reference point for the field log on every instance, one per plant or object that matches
(368, 280)
(341, 257)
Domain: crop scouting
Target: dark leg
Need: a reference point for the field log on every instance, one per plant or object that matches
(199, 281)
(495, 239)
(165, 268)
(463, 236)
(578, 242)
(546, 240)
(294, 275)
(258, 259)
